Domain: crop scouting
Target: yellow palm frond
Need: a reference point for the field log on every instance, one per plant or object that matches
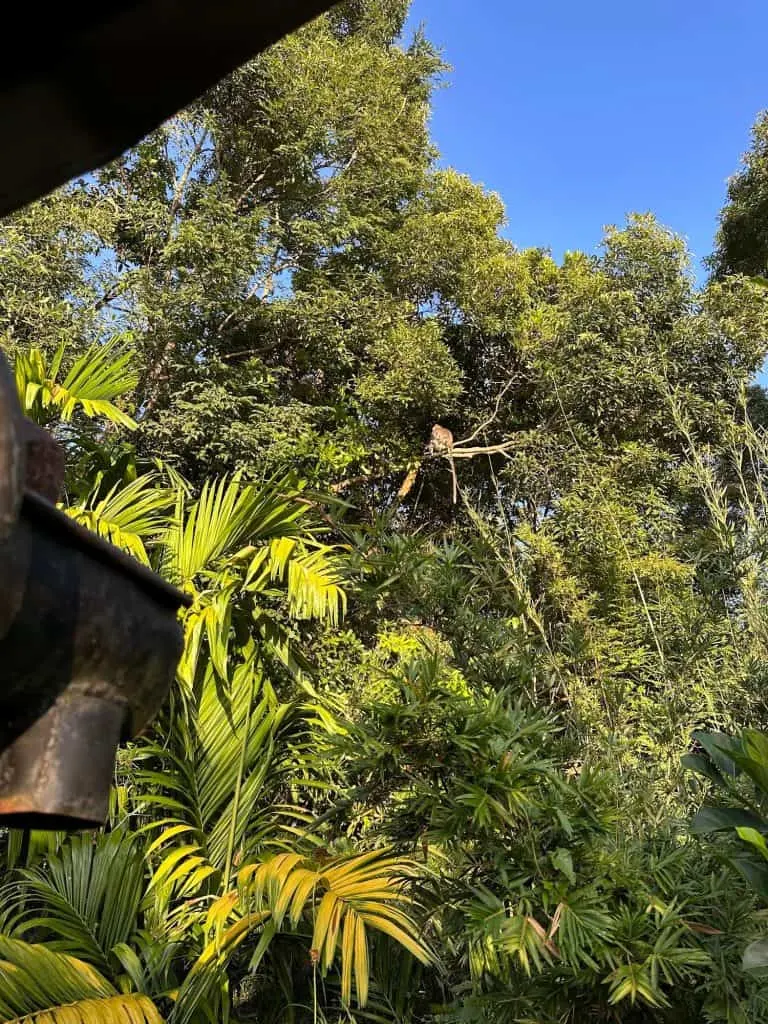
(127, 516)
(344, 900)
(38, 985)
(137, 1009)
(102, 374)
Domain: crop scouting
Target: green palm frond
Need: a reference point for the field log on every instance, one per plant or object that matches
(525, 941)
(208, 621)
(227, 514)
(35, 980)
(220, 765)
(314, 586)
(312, 577)
(84, 900)
(633, 982)
(239, 544)
(128, 516)
(582, 929)
(204, 529)
(96, 379)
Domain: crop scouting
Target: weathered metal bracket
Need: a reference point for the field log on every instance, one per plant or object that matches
(89, 641)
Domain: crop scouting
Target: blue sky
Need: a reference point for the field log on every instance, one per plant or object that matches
(579, 113)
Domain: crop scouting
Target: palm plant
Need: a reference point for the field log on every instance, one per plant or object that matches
(134, 912)
(209, 783)
(208, 790)
(737, 769)
(38, 986)
(240, 550)
(84, 898)
(130, 515)
(95, 381)
(82, 906)
(334, 905)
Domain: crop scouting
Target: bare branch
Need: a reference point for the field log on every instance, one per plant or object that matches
(178, 192)
(492, 417)
(256, 181)
(491, 449)
(248, 295)
(266, 282)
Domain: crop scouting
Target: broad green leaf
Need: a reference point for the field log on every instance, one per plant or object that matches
(755, 839)
(718, 819)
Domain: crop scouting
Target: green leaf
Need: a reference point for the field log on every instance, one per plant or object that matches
(718, 819)
(753, 837)
(719, 746)
(753, 757)
(102, 374)
(85, 899)
(129, 516)
(33, 978)
(563, 861)
(703, 765)
(137, 1009)
(755, 873)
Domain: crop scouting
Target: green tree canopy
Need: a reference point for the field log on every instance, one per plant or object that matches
(742, 241)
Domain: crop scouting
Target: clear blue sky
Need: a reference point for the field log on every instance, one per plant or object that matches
(577, 113)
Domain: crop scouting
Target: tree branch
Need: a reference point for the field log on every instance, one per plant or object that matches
(178, 192)
(492, 417)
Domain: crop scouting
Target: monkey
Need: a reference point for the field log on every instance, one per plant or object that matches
(441, 440)
(441, 443)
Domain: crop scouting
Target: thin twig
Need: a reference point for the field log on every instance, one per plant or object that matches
(492, 417)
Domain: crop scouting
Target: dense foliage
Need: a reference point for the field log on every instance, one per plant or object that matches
(422, 762)
(742, 241)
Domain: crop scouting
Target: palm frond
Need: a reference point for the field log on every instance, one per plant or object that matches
(632, 982)
(205, 529)
(582, 929)
(525, 941)
(205, 817)
(128, 516)
(137, 1009)
(312, 577)
(96, 379)
(343, 899)
(229, 513)
(84, 900)
(34, 979)
(237, 545)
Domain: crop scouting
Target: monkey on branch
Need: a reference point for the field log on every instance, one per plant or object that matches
(442, 445)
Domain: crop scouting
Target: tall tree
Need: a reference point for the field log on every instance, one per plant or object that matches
(742, 240)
